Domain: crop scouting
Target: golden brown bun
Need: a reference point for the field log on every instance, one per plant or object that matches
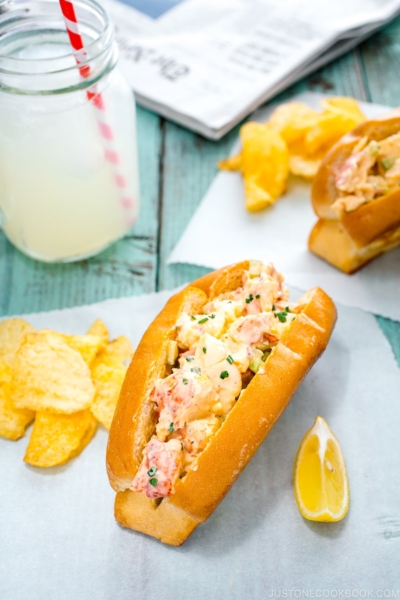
(331, 241)
(224, 458)
(371, 220)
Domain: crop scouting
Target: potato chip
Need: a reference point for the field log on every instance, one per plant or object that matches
(292, 120)
(233, 163)
(117, 352)
(5, 373)
(87, 345)
(108, 373)
(49, 375)
(265, 165)
(304, 136)
(340, 116)
(12, 332)
(330, 128)
(310, 134)
(13, 421)
(344, 106)
(304, 166)
(99, 329)
(55, 439)
(108, 382)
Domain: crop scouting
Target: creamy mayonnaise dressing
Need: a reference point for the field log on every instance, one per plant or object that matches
(371, 171)
(218, 352)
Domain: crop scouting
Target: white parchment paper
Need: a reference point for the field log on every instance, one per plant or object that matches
(59, 540)
(222, 232)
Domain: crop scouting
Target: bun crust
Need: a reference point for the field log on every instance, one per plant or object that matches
(200, 491)
(355, 231)
(331, 241)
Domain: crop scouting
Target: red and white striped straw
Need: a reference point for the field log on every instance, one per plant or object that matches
(110, 150)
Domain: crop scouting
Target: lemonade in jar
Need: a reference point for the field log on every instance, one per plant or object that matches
(69, 184)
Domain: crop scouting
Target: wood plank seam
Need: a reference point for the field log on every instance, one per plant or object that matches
(364, 73)
(361, 75)
(161, 170)
(6, 285)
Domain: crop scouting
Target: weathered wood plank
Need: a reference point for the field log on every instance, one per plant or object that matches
(189, 166)
(128, 267)
(380, 57)
(344, 77)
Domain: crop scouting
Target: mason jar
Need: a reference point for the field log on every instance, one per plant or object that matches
(69, 184)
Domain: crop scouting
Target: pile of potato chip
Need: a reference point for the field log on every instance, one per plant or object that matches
(294, 140)
(65, 383)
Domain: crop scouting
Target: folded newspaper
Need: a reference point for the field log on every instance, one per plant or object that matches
(207, 64)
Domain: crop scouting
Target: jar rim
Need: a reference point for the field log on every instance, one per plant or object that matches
(21, 21)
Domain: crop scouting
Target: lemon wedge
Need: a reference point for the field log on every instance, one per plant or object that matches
(321, 486)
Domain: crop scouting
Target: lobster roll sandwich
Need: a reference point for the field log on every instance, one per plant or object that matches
(209, 379)
(356, 195)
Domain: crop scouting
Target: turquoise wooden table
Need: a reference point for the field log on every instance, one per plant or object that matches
(176, 168)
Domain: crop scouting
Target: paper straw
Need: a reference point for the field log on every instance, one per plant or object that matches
(110, 150)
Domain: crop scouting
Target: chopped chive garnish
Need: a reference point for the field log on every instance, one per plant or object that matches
(171, 428)
(258, 296)
(203, 320)
(185, 381)
(287, 309)
(153, 481)
(193, 317)
(281, 316)
(273, 307)
(249, 299)
(224, 374)
(204, 350)
(190, 358)
(212, 316)
(229, 359)
(196, 370)
(152, 471)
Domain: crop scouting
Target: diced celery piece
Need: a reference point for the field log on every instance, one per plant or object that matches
(374, 149)
(387, 162)
(256, 361)
(266, 354)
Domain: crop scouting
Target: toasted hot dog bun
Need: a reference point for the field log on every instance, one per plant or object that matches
(200, 491)
(369, 221)
(331, 241)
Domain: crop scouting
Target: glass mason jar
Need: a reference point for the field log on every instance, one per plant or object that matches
(69, 183)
